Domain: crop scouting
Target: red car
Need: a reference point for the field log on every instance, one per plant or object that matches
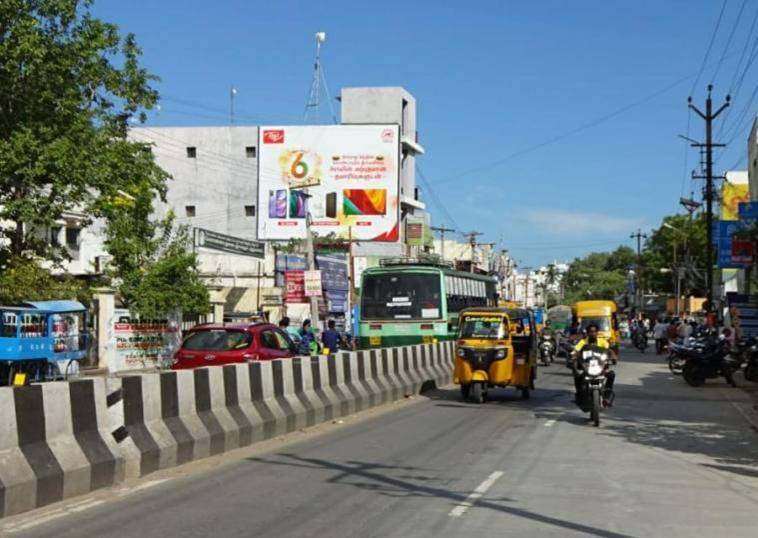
(207, 345)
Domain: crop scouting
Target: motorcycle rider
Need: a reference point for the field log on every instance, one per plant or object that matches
(610, 376)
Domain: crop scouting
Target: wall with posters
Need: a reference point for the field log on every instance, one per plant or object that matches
(344, 176)
(140, 345)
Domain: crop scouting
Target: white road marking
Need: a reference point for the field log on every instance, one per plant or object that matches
(477, 494)
(550, 423)
(140, 487)
(86, 506)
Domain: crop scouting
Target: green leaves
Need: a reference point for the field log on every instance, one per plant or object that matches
(70, 86)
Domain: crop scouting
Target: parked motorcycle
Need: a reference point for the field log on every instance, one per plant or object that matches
(714, 361)
(749, 355)
(679, 352)
(547, 349)
(595, 362)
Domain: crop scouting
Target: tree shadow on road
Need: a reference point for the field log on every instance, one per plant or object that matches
(378, 478)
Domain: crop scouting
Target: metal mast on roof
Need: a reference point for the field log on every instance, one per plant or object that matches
(312, 113)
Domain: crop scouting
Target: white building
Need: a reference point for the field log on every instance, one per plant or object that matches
(214, 174)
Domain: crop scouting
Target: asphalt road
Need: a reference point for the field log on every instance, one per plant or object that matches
(667, 460)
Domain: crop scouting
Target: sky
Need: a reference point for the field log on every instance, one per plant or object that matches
(551, 126)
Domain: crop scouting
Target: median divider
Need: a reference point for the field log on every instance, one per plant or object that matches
(60, 440)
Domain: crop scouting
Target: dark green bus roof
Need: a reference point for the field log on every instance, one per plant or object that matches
(422, 268)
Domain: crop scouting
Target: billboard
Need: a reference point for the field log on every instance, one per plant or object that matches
(341, 176)
(732, 195)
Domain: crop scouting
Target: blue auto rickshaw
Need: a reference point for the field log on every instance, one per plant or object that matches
(43, 339)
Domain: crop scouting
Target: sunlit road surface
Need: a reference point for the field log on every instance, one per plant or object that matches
(667, 460)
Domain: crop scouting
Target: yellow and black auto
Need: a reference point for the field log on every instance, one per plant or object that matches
(495, 347)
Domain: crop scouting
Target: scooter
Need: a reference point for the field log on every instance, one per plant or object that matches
(547, 350)
(640, 340)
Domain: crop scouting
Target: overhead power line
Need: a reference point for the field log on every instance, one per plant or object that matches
(708, 50)
(737, 20)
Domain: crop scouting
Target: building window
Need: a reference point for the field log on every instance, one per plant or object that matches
(72, 238)
(189, 210)
(250, 152)
(55, 233)
(249, 210)
(191, 152)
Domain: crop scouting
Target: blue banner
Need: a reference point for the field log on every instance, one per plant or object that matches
(748, 210)
(726, 230)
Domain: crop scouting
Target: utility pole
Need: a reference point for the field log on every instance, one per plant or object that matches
(442, 230)
(232, 93)
(472, 235)
(638, 295)
(708, 116)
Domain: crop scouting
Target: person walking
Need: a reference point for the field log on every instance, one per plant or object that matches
(660, 334)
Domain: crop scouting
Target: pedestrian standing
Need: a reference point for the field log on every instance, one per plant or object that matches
(672, 331)
(685, 331)
(331, 337)
(660, 333)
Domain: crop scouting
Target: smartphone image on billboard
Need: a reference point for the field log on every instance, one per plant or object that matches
(364, 201)
(297, 204)
(316, 207)
(277, 204)
(331, 205)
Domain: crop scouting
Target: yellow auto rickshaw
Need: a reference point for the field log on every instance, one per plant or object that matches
(604, 315)
(495, 347)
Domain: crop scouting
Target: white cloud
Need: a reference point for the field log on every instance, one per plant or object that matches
(562, 222)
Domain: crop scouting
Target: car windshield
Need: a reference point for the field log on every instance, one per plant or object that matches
(217, 340)
(401, 296)
(603, 324)
(485, 327)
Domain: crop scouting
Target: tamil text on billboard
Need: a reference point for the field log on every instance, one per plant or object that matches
(344, 177)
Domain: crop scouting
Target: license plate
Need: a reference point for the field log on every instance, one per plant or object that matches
(375, 340)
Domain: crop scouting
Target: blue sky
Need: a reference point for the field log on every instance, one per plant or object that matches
(500, 86)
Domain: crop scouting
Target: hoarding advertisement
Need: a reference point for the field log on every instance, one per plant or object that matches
(344, 176)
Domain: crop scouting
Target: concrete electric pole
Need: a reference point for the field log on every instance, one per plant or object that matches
(472, 235)
(638, 274)
(708, 116)
(442, 230)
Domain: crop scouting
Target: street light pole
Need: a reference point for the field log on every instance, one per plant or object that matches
(638, 294)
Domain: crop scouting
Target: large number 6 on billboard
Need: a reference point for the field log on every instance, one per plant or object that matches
(299, 168)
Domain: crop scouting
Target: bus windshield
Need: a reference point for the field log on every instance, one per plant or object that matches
(401, 296)
(603, 324)
(484, 327)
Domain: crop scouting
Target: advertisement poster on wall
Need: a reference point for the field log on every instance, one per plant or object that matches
(294, 286)
(343, 176)
(143, 344)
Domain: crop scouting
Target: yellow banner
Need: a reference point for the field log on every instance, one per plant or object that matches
(731, 196)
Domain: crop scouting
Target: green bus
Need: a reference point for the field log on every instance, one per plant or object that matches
(404, 302)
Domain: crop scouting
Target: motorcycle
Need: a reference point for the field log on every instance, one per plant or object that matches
(547, 350)
(749, 356)
(640, 340)
(595, 362)
(714, 361)
(680, 352)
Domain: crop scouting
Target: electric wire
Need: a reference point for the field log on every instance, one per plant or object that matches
(710, 46)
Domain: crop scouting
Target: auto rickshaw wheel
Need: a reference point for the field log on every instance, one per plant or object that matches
(525, 393)
(465, 391)
(477, 393)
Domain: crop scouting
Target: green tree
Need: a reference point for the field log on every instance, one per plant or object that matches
(69, 87)
(599, 275)
(25, 280)
(689, 241)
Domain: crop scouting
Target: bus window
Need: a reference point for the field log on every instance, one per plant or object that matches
(401, 296)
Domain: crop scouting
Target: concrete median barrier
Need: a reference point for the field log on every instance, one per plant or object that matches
(60, 440)
(55, 443)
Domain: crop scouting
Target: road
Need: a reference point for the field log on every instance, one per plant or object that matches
(667, 460)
